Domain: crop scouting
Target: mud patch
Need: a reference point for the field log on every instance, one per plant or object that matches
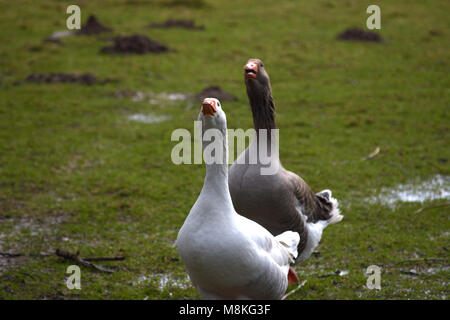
(174, 23)
(39, 230)
(93, 26)
(85, 78)
(36, 226)
(135, 44)
(356, 34)
(214, 92)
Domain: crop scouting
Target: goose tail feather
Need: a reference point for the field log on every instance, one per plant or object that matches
(335, 212)
(289, 240)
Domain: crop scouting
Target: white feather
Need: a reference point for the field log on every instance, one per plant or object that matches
(315, 229)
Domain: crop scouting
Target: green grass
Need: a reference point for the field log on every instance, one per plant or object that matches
(76, 174)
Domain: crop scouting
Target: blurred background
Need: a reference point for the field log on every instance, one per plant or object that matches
(87, 116)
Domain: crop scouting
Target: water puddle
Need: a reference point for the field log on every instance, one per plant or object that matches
(148, 118)
(163, 281)
(435, 188)
(159, 98)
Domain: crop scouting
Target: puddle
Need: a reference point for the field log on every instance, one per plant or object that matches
(433, 189)
(437, 269)
(415, 273)
(57, 35)
(158, 98)
(161, 97)
(165, 98)
(35, 226)
(148, 118)
(163, 281)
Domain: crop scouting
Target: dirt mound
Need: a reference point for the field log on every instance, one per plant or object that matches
(197, 4)
(86, 78)
(215, 92)
(171, 23)
(355, 34)
(93, 26)
(136, 43)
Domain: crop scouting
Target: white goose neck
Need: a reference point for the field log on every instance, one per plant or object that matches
(216, 179)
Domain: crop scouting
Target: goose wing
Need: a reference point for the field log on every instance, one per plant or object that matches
(315, 206)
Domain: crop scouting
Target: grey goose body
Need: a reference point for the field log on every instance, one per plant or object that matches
(282, 201)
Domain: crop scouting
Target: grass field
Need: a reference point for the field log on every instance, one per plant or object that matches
(77, 174)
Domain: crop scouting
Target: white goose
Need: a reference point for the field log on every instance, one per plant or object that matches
(228, 256)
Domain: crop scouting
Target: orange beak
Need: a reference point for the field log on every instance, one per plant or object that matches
(251, 69)
(209, 107)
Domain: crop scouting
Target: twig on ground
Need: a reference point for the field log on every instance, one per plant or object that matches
(74, 257)
(294, 290)
(326, 275)
(372, 154)
(432, 207)
(120, 258)
(27, 274)
(338, 272)
(410, 272)
(11, 255)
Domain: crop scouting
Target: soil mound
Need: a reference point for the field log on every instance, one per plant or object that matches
(136, 43)
(355, 34)
(215, 92)
(172, 23)
(86, 78)
(93, 26)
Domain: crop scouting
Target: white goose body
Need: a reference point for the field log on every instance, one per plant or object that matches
(228, 256)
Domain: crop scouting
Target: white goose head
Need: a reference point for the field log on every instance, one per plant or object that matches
(212, 116)
(214, 132)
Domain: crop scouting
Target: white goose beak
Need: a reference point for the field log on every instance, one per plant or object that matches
(209, 107)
